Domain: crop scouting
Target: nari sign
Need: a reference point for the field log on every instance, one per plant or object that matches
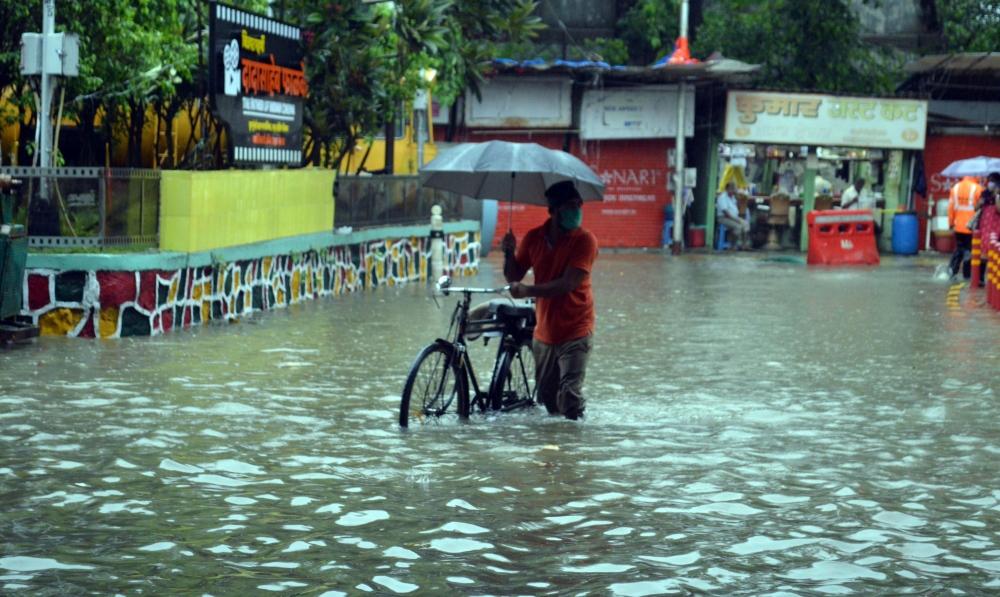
(811, 119)
(257, 84)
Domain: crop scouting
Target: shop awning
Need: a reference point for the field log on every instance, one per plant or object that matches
(716, 68)
(970, 62)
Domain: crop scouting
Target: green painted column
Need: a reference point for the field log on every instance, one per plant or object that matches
(808, 202)
(890, 194)
(713, 183)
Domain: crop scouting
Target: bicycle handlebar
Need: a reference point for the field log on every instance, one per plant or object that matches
(444, 287)
(473, 290)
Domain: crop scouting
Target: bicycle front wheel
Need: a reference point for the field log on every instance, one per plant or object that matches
(435, 386)
(513, 384)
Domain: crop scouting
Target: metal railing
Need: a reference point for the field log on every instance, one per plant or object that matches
(368, 201)
(87, 207)
(119, 207)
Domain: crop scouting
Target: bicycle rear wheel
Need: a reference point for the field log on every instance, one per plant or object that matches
(513, 384)
(435, 386)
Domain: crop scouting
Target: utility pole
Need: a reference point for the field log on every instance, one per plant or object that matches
(675, 247)
(45, 140)
(48, 54)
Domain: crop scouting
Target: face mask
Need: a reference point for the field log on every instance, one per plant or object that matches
(991, 185)
(570, 219)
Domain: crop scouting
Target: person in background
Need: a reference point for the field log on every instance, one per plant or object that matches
(562, 254)
(961, 207)
(857, 196)
(989, 219)
(728, 214)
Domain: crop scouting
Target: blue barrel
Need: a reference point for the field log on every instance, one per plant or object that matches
(905, 231)
(488, 226)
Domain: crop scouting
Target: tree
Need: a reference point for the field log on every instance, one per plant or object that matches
(800, 44)
(970, 25)
(649, 28)
(363, 61)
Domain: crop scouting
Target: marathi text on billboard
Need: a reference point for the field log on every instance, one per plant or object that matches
(257, 85)
(808, 119)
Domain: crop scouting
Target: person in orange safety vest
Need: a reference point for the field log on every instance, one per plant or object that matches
(961, 207)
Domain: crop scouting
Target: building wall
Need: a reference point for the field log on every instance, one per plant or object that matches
(940, 151)
(635, 175)
(205, 210)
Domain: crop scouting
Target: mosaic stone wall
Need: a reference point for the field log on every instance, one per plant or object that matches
(113, 304)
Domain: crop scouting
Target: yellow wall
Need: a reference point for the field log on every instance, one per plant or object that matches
(201, 211)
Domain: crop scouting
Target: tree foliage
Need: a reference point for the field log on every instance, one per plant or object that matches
(970, 25)
(649, 29)
(800, 44)
(363, 62)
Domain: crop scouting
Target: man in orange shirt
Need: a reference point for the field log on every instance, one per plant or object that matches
(961, 208)
(562, 255)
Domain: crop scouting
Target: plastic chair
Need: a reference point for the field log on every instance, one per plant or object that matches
(720, 238)
(823, 203)
(777, 219)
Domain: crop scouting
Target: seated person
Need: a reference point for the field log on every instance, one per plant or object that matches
(727, 213)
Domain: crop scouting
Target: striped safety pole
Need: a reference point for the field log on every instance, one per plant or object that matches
(991, 271)
(977, 261)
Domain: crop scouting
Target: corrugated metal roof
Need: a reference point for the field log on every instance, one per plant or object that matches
(721, 69)
(971, 62)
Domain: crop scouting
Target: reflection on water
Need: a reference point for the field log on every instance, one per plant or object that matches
(753, 427)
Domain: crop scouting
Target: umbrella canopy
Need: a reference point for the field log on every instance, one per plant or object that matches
(980, 166)
(516, 172)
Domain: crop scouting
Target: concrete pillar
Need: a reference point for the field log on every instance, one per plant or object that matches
(437, 244)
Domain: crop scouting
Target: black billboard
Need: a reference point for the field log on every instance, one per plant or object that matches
(257, 85)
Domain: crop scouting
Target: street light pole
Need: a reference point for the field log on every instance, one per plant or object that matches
(675, 247)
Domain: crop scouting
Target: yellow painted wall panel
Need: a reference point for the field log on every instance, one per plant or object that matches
(202, 211)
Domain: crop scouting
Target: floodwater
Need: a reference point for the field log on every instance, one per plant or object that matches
(754, 427)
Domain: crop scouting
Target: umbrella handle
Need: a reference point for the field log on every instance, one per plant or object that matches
(510, 204)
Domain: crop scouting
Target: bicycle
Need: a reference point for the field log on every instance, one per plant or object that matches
(440, 375)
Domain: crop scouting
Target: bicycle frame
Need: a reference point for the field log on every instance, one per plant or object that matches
(459, 327)
(460, 323)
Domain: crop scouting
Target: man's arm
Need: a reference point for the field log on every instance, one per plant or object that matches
(568, 282)
(852, 199)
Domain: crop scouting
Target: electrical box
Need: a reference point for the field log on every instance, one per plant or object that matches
(62, 54)
(31, 53)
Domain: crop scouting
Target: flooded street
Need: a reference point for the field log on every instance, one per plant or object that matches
(754, 427)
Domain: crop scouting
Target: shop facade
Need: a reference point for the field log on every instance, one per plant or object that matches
(809, 148)
(624, 133)
(963, 122)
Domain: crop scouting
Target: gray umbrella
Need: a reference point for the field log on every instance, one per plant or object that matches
(980, 166)
(514, 172)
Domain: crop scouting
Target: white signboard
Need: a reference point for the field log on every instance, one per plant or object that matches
(509, 102)
(810, 119)
(637, 113)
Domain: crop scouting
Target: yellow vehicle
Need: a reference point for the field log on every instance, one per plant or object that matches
(406, 148)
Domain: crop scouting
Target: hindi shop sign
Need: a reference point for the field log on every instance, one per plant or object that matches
(257, 84)
(809, 119)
